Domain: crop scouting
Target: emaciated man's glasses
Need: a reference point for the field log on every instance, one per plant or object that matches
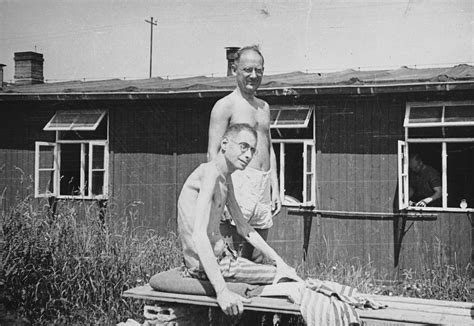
(245, 147)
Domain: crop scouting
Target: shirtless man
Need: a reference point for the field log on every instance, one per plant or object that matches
(200, 206)
(256, 187)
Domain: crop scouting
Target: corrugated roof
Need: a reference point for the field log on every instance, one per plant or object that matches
(296, 79)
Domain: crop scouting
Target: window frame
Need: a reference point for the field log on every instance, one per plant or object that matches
(280, 108)
(57, 164)
(55, 169)
(403, 150)
(305, 143)
(93, 127)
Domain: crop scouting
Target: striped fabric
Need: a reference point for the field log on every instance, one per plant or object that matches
(330, 303)
(238, 269)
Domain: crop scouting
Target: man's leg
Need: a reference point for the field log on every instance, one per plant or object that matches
(238, 269)
(250, 253)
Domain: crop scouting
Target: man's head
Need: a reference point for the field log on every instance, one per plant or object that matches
(248, 68)
(416, 163)
(239, 144)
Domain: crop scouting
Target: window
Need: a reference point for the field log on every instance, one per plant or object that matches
(441, 134)
(76, 165)
(295, 153)
(283, 116)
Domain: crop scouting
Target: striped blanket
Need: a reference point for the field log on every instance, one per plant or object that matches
(324, 302)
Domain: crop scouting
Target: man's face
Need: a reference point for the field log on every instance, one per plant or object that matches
(415, 165)
(240, 149)
(249, 71)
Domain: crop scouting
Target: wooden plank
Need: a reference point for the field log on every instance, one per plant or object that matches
(276, 305)
(404, 310)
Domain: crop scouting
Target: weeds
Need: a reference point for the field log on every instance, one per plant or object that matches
(71, 269)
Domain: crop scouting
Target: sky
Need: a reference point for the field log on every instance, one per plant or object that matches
(103, 39)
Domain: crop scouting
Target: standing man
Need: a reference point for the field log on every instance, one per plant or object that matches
(256, 187)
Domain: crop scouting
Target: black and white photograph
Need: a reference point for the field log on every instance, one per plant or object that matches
(236, 162)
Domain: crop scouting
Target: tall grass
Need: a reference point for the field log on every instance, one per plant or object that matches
(440, 282)
(67, 269)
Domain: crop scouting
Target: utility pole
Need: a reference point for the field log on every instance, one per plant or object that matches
(152, 23)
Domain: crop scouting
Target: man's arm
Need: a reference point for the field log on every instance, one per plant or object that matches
(218, 124)
(275, 189)
(436, 195)
(252, 236)
(231, 303)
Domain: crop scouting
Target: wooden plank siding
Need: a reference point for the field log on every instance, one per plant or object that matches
(155, 144)
(356, 163)
(153, 150)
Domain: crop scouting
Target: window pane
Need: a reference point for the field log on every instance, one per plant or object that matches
(309, 187)
(74, 119)
(290, 116)
(46, 157)
(97, 182)
(294, 171)
(86, 170)
(308, 159)
(99, 133)
(459, 132)
(98, 157)
(460, 174)
(431, 132)
(46, 182)
(425, 114)
(425, 171)
(70, 173)
(460, 113)
(273, 115)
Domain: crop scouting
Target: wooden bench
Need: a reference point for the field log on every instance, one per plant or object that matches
(400, 311)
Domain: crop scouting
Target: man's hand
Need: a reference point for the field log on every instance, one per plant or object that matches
(284, 271)
(421, 203)
(231, 303)
(424, 202)
(276, 204)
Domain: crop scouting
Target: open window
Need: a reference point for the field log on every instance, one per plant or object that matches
(76, 165)
(293, 143)
(441, 134)
(75, 120)
(285, 116)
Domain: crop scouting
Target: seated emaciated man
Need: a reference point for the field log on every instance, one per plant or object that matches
(205, 193)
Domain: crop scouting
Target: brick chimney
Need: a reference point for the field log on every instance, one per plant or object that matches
(1, 75)
(230, 54)
(28, 68)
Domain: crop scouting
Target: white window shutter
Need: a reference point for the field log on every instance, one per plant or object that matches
(403, 188)
(46, 169)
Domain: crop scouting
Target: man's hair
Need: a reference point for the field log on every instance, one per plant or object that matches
(416, 157)
(235, 129)
(241, 51)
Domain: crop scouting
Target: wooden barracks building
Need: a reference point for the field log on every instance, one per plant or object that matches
(342, 142)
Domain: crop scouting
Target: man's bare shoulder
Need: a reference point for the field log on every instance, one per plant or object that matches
(208, 171)
(262, 104)
(226, 103)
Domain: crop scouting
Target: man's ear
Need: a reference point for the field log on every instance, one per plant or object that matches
(224, 143)
(234, 68)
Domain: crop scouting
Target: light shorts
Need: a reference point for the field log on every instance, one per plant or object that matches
(252, 192)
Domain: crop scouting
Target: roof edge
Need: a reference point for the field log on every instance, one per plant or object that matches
(271, 91)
